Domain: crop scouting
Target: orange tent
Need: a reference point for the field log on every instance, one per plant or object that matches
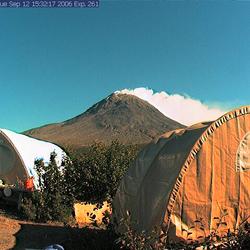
(190, 175)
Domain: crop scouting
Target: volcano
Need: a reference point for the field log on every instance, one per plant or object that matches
(122, 117)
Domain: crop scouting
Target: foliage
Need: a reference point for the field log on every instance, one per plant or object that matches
(134, 240)
(98, 170)
(94, 176)
(219, 238)
(52, 201)
(91, 176)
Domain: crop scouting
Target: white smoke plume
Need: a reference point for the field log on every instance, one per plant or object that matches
(180, 108)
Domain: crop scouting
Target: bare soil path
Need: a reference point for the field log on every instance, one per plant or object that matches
(20, 235)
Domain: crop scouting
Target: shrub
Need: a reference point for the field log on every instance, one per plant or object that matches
(52, 201)
(91, 176)
(134, 240)
(219, 238)
(96, 173)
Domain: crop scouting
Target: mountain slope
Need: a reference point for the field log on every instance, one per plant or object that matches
(120, 116)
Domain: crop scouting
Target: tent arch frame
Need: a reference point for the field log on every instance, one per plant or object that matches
(194, 151)
(16, 151)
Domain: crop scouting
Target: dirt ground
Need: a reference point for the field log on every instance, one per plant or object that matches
(20, 234)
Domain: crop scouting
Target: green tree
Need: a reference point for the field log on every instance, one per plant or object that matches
(52, 200)
(92, 176)
(98, 171)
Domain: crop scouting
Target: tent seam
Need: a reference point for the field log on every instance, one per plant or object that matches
(196, 148)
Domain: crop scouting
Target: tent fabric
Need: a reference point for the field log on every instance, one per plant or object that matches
(191, 174)
(18, 154)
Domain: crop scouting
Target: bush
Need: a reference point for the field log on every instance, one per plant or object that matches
(95, 174)
(92, 176)
(52, 201)
(219, 238)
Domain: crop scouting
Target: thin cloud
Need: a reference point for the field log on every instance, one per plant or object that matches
(183, 109)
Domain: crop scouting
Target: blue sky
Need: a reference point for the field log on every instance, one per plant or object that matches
(55, 63)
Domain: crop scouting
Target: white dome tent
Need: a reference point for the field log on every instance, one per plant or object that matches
(18, 153)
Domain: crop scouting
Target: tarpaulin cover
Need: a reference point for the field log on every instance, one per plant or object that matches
(190, 177)
(18, 153)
